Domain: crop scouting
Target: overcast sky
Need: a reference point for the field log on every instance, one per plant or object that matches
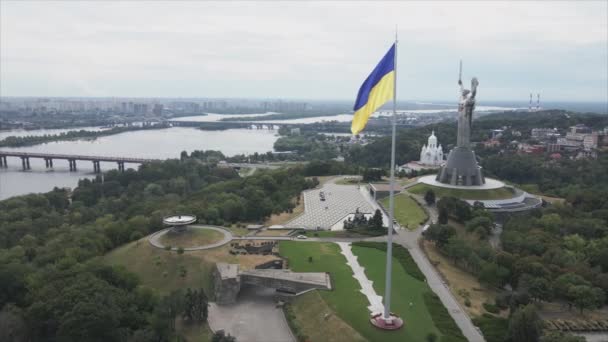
(302, 50)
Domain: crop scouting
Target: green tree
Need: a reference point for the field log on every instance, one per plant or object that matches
(525, 325)
(586, 297)
(376, 222)
(443, 215)
(220, 336)
(429, 197)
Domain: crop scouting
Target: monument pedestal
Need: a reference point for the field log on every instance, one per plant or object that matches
(461, 168)
(393, 322)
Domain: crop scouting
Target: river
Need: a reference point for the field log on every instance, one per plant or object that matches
(157, 144)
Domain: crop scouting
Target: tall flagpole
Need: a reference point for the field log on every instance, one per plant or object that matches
(389, 246)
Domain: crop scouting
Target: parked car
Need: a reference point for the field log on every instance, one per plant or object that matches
(301, 237)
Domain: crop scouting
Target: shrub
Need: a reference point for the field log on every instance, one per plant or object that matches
(502, 301)
(431, 337)
(167, 248)
(492, 308)
(494, 329)
(291, 321)
(467, 302)
(442, 319)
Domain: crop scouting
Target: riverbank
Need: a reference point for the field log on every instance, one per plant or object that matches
(31, 140)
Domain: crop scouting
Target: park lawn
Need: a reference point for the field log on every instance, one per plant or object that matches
(274, 232)
(459, 280)
(318, 321)
(348, 302)
(338, 234)
(191, 237)
(193, 332)
(160, 269)
(349, 181)
(345, 299)
(406, 290)
(408, 212)
(236, 230)
(500, 193)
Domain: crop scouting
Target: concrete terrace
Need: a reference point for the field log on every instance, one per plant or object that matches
(340, 201)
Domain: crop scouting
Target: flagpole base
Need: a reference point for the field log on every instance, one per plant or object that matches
(393, 322)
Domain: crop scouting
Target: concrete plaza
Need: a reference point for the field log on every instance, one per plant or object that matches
(340, 201)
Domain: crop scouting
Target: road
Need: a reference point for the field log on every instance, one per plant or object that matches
(409, 239)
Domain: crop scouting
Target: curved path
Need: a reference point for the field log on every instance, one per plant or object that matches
(154, 239)
(409, 240)
(406, 238)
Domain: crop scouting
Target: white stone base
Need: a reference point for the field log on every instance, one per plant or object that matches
(489, 185)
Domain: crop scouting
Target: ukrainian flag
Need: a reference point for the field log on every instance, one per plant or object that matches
(378, 88)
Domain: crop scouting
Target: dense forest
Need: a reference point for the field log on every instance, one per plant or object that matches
(52, 285)
(555, 254)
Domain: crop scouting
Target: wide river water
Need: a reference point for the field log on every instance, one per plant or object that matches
(156, 144)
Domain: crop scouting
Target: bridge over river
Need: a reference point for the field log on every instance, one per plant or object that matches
(72, 158)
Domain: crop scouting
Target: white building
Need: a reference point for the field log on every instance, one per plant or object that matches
(431, 157)
(432, 153)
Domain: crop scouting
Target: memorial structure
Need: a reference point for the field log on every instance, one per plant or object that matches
(179, 223)
(461, 167)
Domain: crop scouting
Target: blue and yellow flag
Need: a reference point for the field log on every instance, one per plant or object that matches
(378, 88)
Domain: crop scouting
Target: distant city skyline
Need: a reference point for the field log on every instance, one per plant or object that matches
(308, 51)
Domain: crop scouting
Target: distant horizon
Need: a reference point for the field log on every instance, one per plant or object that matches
(419, 101)
(252, 49)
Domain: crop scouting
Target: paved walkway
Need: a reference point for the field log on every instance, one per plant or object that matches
(489, 184)
(253, 318)
(409, 240)
(154, 239)
(375, 301)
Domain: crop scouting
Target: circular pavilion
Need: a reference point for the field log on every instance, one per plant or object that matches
(179, 223)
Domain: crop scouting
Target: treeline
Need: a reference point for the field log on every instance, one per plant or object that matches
(583, 182)
(286, 116)
(14, 141)
(553, 118)
(410, 141)
(312, 146)
(558, 253)
(53, 286)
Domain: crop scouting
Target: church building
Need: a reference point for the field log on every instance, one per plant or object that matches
(431, 157)
(431, 154)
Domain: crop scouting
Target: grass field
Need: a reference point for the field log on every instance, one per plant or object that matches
(407, 296)
(408, 212)
(349, 181)
(500, 193)
(160, 269)
(285, 217)
(459, 280)
(320, 324)
(191, 237)
(194, 332)
(348, 303)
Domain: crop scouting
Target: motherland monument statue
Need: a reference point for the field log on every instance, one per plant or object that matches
(461, 167)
